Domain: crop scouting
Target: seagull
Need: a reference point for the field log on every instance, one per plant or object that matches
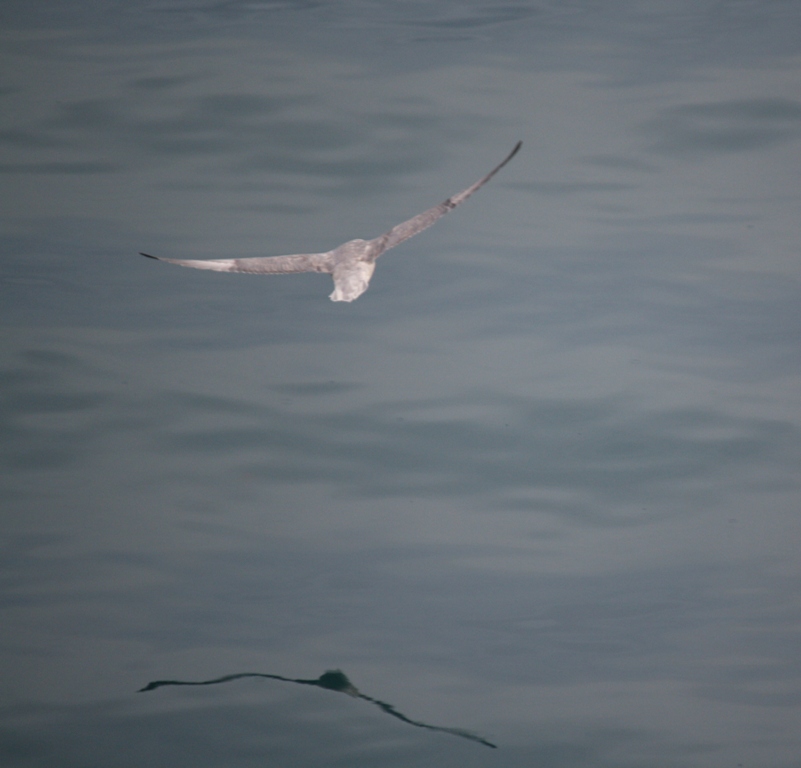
(351, 264)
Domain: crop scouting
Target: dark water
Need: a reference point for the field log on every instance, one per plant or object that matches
(538, 487)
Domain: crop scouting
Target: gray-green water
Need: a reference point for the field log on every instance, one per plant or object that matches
(540, 483)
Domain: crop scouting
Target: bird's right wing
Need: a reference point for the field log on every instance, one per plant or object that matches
(422, 221)
(260, 265)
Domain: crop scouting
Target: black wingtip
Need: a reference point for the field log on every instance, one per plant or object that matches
(148, 256)
(507, 159)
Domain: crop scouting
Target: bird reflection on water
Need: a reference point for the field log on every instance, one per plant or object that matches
(332, 680)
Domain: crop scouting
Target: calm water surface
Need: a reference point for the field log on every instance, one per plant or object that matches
(539, 487)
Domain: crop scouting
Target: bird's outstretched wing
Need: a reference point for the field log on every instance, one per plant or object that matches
(422, 221)
(260, 265)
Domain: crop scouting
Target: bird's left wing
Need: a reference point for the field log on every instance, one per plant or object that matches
(422, 221)
(260, 265)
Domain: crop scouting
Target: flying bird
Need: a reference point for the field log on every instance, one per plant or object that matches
(351, 264)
